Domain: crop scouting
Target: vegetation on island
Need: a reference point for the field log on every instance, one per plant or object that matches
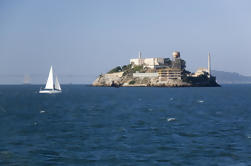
(127, 69)
(115, 70)
(132, 82)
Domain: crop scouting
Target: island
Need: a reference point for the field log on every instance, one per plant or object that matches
(157, 72)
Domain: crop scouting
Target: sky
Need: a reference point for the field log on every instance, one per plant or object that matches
(84, 38)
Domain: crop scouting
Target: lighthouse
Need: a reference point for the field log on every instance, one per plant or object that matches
(209, 64)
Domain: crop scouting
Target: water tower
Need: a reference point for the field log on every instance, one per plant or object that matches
(176, 54)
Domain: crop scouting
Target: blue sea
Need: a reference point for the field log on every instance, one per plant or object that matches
(102, 126)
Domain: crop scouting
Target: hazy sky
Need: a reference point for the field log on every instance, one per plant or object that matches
(89, 37)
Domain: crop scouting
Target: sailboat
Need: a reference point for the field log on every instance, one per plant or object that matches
(50, 87)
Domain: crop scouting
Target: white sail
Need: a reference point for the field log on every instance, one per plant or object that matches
(49, 84)
(57, 85)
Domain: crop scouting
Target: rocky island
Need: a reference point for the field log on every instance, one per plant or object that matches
(157, 72)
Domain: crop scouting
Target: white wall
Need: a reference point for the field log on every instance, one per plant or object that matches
(145, 74)
(148, 62)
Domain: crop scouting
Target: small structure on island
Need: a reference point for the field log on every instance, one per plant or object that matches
(204, 71)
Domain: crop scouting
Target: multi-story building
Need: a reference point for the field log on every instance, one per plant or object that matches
(152, 63)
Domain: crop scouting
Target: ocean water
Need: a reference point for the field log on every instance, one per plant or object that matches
(97, 126)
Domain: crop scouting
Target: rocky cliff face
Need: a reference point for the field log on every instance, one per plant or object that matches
(130, 81)
(107, 80)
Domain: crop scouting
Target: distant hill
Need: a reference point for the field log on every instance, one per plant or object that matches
(231, 78)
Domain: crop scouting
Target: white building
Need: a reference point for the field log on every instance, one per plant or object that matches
(200, 71)
(147, 62)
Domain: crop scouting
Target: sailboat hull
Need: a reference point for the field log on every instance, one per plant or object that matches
(53, 91)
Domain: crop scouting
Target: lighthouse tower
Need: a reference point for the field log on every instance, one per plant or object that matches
(209, 64)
